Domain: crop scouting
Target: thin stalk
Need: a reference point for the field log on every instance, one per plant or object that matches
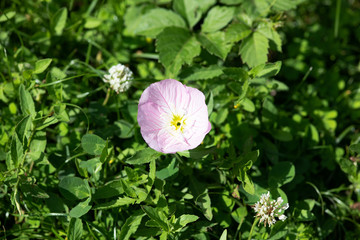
(252, 228)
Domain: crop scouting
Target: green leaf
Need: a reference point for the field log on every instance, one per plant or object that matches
(267, 29)
(254, 49)
(23, 129)
(115, 203)
(270, 70)
(280, 174)
(7, 16)
(156, 20)
(38, 145)
(176, 46)
(222, 114)
(42, 65)
(189, 9)
(348, 167)
(143, 156)
(126, 129)
(75, 229)
(16, 150)
(60, 112)
(74, 188)
(33, 191)
(217, 18)
(239, 214)
(201, 197)
(59, 21)
(186, 219)
(81, 209)
(237, 31)
(204, 5)
(197, 153)
(284, 5)
(248, 105)
(110, 189)
(355, 147)
(231, 2)
(168, 171)
(158, 216)
(245, 179)
(223, 235)
(93, 144)
(131, 225)
(104, 152)
(215, 43)
(26, 102)
(48, 121)
(93, 166)
(195, 73)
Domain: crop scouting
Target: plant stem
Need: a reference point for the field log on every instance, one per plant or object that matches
(107, 97)
(252, 228)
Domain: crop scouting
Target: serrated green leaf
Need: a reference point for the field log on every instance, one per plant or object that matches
(74, 188)
(280, 174)
(115, 203)
(131, 225)
(200, 73)
(81, 209)
(215, 43)
(254, 49)
(93, 144)
(237, 31)
(143, 156)
(156, 20)
(26, 102)
(189, 9)
(75, 229)
(176, 46)
(59, 21)
(284, 5)
(268, 30)
(217, 18)
(204, 5)
(157, 216)
(42, 65)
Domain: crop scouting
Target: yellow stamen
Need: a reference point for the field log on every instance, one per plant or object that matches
(178, 122)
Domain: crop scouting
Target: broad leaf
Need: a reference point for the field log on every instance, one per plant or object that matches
(75, 229)
(26, 102)
(268, 30)
(224, 235)
(215, 43)
(131, 225)
(237, 31)
(157, 216)
(16, 149)
(42, 65)
(59, 21)
(176, 46)
(280, 174)
(201, 197)
(189, 9)
(201, 73)
(93, 144)
(74, 188)
(254, 49)
(156, 20)
(81, 209)
(217, 18)
(168, 171)
(143, 156)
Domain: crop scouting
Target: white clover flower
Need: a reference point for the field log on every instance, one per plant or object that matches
(267, 210)
(120, 78)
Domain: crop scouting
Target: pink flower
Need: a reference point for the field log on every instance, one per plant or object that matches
(172, 116)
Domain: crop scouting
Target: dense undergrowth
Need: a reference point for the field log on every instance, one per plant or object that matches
(281, 80)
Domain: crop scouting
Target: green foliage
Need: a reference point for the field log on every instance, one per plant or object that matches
(280, 84)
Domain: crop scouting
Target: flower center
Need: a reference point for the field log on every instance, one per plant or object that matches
(178, 122)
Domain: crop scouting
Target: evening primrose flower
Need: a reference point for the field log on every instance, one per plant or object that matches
(120, 78)
(267, 210)
(172, 116)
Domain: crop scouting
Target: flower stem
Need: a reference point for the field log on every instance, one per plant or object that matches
(107, 97)
(252, 228)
